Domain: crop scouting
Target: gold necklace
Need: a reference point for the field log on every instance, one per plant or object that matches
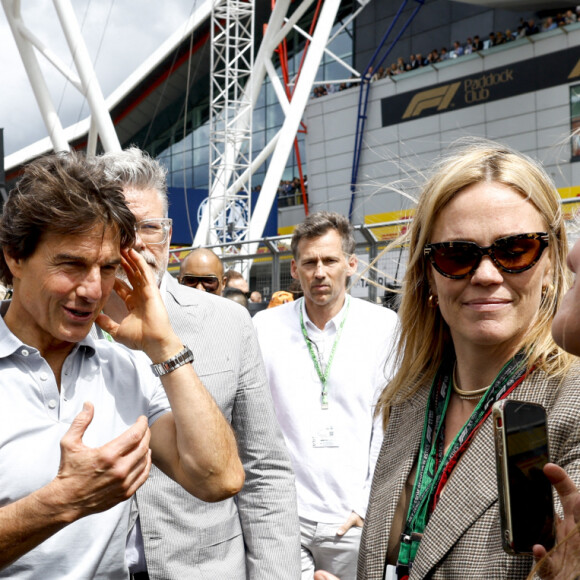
(466, 395)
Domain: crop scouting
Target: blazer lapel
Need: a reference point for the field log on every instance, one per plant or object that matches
(470, 491)
(180, 298)
(397, 458)
(194, 316)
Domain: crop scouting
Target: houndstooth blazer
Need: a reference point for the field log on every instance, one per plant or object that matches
(462, 539)
(256, 535)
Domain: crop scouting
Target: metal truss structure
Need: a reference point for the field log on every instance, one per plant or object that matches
(232, 40)
(236, 84)
(280, 146)
(85, 81)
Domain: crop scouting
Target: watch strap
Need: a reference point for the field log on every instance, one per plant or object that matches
(183, 357)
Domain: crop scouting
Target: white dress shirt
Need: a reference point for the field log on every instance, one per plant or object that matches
(333, 451)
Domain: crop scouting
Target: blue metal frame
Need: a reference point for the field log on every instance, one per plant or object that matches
(363, 98)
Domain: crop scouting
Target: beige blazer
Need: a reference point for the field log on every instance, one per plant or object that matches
(462, 540)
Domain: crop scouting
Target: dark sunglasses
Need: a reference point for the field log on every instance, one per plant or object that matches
(512, 254)
(210, 283)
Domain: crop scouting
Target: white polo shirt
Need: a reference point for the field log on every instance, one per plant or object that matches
(34, 416)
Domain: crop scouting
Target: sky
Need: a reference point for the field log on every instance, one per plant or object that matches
(119, 35)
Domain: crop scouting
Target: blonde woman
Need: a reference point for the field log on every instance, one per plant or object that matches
(486, 274)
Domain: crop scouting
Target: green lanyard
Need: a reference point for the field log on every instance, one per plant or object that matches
(323, 376)
(428, 472)
(433, 461)
(107, 336)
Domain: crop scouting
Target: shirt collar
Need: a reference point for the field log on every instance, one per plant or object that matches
(333, 322)
(10, 343)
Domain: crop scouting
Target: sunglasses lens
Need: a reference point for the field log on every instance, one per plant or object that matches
(516, 254)
(457, 260)
(513, 254)
(210, 283)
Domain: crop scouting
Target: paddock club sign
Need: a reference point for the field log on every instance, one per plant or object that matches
(515, 79)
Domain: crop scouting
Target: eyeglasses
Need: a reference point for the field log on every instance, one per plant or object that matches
(154, 230)
(512, 254)
(210, 283)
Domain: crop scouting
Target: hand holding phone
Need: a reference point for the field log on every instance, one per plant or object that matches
(564, 562)
(525, 493)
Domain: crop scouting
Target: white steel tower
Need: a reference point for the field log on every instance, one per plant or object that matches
(280, 145)
(230, 152)
(29, 45)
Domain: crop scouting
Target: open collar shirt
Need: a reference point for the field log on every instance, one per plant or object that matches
(34, 416)
(331, 481)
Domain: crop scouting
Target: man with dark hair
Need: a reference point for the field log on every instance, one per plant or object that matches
(256, 536)
(83, 419)
(236, 295)
(531, 27)
(203, 270)
(326, 359)
(320, 223)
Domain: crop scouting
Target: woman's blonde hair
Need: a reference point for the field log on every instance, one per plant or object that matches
(425, 339)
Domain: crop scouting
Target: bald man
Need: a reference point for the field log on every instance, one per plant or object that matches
(202, 269)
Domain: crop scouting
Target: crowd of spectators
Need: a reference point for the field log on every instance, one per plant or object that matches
(472, 44)
(289, 191)
(329, 88)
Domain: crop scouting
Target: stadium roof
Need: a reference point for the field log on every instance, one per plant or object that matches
(137, 102)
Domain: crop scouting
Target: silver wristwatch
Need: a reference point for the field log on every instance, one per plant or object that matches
(183, 357)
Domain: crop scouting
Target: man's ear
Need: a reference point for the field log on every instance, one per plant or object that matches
(352, 265)
(293, 269)
(14, 264)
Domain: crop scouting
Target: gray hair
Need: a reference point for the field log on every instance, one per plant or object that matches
(134, 168)
(317, 224)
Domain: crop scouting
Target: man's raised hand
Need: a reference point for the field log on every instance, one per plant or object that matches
(146, 326)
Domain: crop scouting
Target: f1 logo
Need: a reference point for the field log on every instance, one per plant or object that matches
(439, 97)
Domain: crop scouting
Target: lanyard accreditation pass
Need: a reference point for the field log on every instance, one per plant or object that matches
(323, 376)
(434, 464)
